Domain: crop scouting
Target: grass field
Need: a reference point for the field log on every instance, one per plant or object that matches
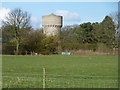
(73, 71)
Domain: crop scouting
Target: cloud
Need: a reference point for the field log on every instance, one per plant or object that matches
(3, 13)
(68, 16)
(35, 21)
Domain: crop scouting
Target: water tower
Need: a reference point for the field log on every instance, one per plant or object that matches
(51, 24)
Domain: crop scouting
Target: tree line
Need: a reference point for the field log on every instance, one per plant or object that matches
(18, 36)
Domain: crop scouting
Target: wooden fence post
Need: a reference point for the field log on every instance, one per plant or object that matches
(43, 78)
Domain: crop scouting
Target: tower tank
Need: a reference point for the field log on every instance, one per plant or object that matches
(51, 24)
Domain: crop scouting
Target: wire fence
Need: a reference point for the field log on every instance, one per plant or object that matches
(26, 80)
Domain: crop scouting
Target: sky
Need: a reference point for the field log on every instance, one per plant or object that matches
(72, 12)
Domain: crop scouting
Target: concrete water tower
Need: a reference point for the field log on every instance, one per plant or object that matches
(51, 24)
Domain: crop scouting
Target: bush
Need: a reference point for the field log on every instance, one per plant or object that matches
(78, 46)
(103, 48)
(50, 45)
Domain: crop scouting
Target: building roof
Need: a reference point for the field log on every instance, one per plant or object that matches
(52, 14)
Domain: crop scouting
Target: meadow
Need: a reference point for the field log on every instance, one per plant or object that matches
(62, 71)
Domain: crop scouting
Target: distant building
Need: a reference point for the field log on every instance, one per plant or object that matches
(51, 24)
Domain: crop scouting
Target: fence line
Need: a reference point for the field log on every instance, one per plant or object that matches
(95, 86)
(62, 78)
(16, 77)
(61, 75)
(53, 80)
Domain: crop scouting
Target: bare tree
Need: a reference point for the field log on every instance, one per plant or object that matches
(19, 20)
(116, 18)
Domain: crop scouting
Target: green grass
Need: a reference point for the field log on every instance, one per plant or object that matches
(92, 70)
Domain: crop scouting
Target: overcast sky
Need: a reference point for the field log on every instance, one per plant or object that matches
(72, 12)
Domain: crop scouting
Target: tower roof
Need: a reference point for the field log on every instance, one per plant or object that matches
(52, 14)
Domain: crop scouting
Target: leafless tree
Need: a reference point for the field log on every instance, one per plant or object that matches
(116, 18)
(19, 20)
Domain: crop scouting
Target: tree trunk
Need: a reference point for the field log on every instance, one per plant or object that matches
(114, 50)
(17, 47)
